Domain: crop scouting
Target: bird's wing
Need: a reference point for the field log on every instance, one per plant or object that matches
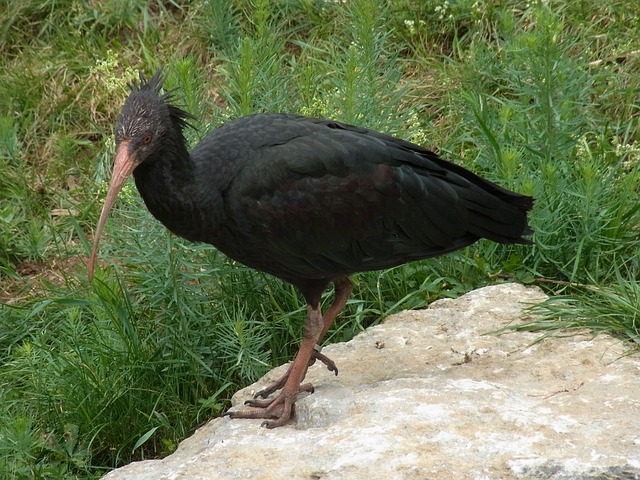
(322, 198)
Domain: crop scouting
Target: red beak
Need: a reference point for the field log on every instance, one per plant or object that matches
(122, 169)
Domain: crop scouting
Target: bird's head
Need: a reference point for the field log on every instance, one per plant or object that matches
(145, 127)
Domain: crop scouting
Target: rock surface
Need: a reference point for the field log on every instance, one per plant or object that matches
(426, 395)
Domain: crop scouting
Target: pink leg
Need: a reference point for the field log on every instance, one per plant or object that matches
(315, 328)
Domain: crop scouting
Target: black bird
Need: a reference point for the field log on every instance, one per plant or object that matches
(307, 200)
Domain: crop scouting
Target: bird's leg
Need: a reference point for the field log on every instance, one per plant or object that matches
(312, 329)
(279, 383)
(315, 328)
(343, 287)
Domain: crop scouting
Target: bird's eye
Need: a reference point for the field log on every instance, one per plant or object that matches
(147, 139)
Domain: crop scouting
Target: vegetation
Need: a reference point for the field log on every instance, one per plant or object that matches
(541, 96)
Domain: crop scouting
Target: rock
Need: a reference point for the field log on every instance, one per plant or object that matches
(433, 394)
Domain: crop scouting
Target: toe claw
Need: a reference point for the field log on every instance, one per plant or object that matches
(262, 394)
(330, 364)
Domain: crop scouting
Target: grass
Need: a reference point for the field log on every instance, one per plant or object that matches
(540, 96)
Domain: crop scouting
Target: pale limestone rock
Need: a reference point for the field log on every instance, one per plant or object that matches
(431, 394)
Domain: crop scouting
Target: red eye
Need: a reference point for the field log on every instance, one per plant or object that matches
(147, 139)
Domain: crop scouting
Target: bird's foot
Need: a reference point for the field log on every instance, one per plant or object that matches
(278, 409)
(318, 355)
(278, 384)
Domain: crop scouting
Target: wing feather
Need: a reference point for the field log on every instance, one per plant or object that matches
(324, 198)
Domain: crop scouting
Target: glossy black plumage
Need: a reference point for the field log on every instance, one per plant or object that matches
(307, 199)
(310, 201)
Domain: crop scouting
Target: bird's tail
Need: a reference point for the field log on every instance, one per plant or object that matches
(499, 214)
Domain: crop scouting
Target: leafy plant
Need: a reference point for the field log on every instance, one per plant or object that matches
(541, 97)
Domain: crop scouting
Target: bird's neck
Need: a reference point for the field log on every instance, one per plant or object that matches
(173, 192)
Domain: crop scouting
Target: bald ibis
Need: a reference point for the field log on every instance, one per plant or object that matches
(307, 200)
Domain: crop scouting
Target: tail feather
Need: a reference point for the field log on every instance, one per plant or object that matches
(501, 218)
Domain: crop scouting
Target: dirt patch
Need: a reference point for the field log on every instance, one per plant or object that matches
(35, 279)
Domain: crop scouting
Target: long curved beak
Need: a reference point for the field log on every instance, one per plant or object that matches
(122, 169)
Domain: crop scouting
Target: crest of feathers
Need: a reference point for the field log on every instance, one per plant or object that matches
(154, 84)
